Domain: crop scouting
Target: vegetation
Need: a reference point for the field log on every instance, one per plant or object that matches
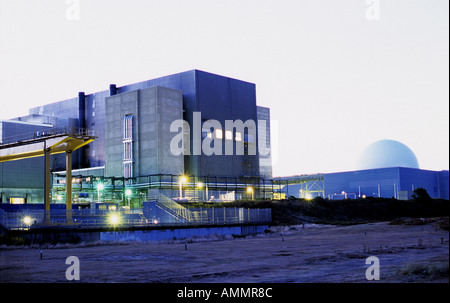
(343, 212)
(421, 194)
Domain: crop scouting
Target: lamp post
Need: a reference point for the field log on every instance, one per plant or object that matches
(128, 194)
(100, 187)
(250, 190)
(200, 185)
(182, 180)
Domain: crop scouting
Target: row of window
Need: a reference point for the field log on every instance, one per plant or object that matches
(228, 135)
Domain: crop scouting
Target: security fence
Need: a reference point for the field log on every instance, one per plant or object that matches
(153, 214)
(133, 191)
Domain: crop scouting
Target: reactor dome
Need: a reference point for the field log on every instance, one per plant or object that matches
(387, 153)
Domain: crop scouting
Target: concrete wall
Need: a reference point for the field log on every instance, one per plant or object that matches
(216, 97)
(154, 109)
(181, 233)
(265, 161)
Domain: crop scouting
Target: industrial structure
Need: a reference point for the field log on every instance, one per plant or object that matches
(187, 137)
(135, 131)
(387, 169)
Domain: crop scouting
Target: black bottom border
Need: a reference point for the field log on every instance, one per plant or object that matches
(229, 292)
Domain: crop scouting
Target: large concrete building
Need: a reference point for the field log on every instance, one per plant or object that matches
(150, 107)
(136, 129)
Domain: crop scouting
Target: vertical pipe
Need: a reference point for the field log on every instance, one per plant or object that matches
(69, 186)
(47, 183)
(81, 159)
(112, 89)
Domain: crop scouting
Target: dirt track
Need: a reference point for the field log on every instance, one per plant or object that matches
(318, 254)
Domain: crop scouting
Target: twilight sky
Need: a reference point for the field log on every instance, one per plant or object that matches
(337, 75)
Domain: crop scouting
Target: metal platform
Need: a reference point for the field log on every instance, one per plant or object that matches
(44, 144)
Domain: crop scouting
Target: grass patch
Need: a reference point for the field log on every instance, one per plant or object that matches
(342, 212)
(12, 240)
(427, 271)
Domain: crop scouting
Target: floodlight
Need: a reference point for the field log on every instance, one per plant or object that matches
(27, 220)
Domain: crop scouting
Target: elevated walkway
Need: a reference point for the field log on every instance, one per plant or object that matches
(44, 144)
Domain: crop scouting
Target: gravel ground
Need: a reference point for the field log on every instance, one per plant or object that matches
(311, 253)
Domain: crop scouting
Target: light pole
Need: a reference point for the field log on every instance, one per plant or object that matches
(100, 187)
(182, 180)
(250, 190)
(128, 194)
(200, 185)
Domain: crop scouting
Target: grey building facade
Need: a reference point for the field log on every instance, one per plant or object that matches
(133, 126)
(207, 95)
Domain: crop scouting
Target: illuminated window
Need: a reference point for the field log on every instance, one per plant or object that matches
(206, 133)
(17, 200)
(219, 134)
(228, 135)
(238, 136)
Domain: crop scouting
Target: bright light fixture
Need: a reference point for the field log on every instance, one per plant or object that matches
(128, 192)
(183, 179)
(114, 219)
(200, 184)
(100, 186)
(27, 220)
(249, 189)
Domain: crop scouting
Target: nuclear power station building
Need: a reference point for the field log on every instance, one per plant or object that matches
(386, 169)
(191, 136)
(202, 127)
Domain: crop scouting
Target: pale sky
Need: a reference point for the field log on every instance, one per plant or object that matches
(337, 75)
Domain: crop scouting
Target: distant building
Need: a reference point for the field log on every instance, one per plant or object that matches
(392, 182)
(387, 168)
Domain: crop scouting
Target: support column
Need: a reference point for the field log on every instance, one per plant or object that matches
(69, 186)
(47, 184)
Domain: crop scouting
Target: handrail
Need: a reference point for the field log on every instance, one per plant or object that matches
(34, 136)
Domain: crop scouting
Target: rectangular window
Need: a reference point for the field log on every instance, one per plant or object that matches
(219, 134)
(17, 200)
(238, 136)
(206, 133)
(128, 146)
(228, 135)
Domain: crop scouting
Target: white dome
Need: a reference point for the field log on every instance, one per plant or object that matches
(387, 153)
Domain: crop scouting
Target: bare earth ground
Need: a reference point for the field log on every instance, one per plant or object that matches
(287, 254)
